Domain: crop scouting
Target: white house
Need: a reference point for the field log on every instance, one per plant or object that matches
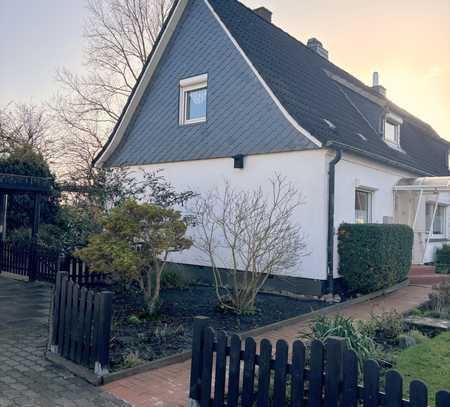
(227, 95)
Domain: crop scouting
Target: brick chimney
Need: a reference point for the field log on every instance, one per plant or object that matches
(264, 13)
(381, 90)
(317, 47)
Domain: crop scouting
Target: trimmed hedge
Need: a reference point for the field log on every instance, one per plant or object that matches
(443, 260)
(374, 256)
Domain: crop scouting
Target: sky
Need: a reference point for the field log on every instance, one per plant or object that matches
(406, 41)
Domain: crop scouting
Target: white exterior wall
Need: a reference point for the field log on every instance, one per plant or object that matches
(355, 172)
(306, 169)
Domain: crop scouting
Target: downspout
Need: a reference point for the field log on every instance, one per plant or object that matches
(331, 195)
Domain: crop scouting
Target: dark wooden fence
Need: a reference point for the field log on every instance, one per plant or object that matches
(15, 259)
(81, 324)
(38, 263)
(79, 273)
(224, 374)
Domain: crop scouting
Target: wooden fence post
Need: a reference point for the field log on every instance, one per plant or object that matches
(104, 333)
(198, 338)
(335, 348)
(55, 312)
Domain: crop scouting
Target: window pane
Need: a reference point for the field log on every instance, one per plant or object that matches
(391, 132)
(362, 207)
(196, 104)
(439, 227)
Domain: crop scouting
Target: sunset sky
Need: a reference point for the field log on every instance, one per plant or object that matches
(407, 41)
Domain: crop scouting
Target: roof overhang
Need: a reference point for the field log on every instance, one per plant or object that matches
(424, 184)
(143, 81)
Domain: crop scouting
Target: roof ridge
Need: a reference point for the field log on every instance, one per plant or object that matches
(315, 54)
(365, 87)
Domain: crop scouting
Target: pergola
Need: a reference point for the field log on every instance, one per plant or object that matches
(11, 184)
(410, 195)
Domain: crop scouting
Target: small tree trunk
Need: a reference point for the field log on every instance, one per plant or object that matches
(148, 289)
(154, 300)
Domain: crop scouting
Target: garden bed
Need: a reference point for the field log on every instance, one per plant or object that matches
(137, 339)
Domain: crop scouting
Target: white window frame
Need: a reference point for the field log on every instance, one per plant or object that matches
(369, 193)
(430, 231)
(397, 122)
(187, 85)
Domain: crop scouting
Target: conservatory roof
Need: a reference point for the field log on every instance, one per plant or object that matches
(431, 184)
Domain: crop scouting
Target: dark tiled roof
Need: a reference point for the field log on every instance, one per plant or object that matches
(301, 80)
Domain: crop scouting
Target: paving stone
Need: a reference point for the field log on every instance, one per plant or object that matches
(27, 379)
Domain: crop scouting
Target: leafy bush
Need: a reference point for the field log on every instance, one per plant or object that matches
(134, 245)
(323, 327)
(172, 279)
(443, 260)
(440, 298)
(374, 256)
(385, 327)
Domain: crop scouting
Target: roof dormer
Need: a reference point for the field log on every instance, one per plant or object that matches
(392, 125)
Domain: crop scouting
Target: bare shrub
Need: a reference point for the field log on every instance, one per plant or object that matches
(247, 236)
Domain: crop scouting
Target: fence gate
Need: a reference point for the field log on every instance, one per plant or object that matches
(81, 324)
(224, 374)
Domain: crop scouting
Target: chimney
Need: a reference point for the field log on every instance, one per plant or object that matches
(264, 13)
(381, 90)
(317, 47)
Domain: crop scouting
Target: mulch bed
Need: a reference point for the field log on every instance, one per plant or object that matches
(136, 340)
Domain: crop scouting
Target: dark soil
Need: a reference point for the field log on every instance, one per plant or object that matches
(137, 339)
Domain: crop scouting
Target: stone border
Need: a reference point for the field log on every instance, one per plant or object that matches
(77, 370)
(184, 356)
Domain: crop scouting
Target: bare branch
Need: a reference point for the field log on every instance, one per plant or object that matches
(248, 236)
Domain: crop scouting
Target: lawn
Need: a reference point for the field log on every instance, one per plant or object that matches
(429, 361)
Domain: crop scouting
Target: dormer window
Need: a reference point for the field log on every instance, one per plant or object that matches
(193, 99)
(392, 126)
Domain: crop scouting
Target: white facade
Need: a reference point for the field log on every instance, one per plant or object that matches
(308, 170)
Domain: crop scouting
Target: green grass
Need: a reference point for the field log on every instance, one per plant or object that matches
(429, 362)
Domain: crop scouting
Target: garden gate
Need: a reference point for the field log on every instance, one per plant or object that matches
(81, 324)
(222, 374)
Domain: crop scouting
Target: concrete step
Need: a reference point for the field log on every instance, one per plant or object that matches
(422, 270)
(428, 279)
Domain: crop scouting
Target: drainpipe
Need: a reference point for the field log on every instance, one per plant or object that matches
(331, 194)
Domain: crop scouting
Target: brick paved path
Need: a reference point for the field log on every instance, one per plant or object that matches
(26, 378)
(167, 387)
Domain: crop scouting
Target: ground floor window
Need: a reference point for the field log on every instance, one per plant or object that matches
(439, 227)
(363, 206)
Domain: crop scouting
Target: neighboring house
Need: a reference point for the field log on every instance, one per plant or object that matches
(226, 94)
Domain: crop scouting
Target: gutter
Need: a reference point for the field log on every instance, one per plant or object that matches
(337, 145)
(331, 200)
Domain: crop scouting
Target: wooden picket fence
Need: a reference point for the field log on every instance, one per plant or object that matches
(81, 324)
(14, 259)
(79, 273)
(38, 263)
(224, 374)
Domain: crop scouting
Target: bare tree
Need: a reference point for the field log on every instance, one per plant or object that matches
(248, 236)
(27, 124)
(119, 36)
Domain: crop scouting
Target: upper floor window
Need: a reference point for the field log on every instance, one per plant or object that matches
(436, 227)
(193, 99)
(363, 206)
(392, 126)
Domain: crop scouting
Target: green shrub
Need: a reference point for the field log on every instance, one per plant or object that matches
(323, 327)
(384, 327)
(172, 279)
(443, 260)
(374, 256)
